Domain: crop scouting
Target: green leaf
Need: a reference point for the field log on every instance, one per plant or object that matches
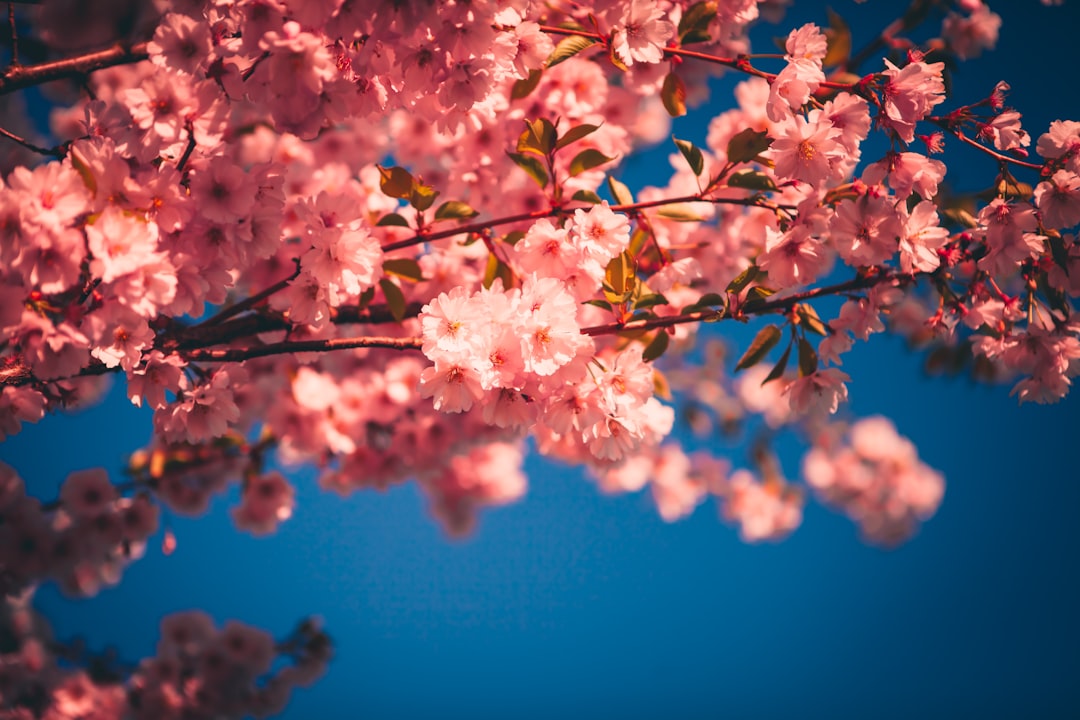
(587, 160)
(763, 342)
(395, 299)
(455, 210)
(692, 154)
(673, 95)
(574, 134)
(524, 87)
(567, 48)
(365, 298)
(743, 279)
(779, 368)
(422, 196)
(808, 361)
(747, 145)
(638, 239)
(839, 40)
(657, 346)
(496, 268)
(602, 304)
(406, 268)
(1059, 252)
(538, 137)
(620, 278)
(706, 301)
(392, 220)
(532, 166)
(810, 320)
(587, 196)
(620, 192)
(680, 213)
(651, 300)
(513, 237)
(395, 181)
(694, 24)
(756, 295)
(751, 180)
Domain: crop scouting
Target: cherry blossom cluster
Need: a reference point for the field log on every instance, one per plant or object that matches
(199, 670)
(876, 478)
(83, 541)
(202, 177)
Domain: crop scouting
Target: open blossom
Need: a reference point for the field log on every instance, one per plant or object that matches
(202, 413)
(1009, 235)
(921, 238)
(819, 393)
(865, 231)
(910, 94)
(1062, 139)
(1005, 132)
(600, 232)
(266, 501)
(1058, 200)
(969, 35)
(765, 511)
(807, 151)
(642, 32)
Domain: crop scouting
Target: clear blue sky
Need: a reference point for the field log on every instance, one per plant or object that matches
(576, 605)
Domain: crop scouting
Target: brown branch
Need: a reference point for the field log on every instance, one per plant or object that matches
(18, 77)
(297, 346)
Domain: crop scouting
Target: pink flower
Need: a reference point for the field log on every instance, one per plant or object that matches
(910, 94)
(548, 327)
(202, 413)
(1005, 132)
(181, 42)
(267, 500)
(1009, 235)
(865, 231)
(806, 151)
(819, 393)
(766, 511)
(453, 386)
(601, 233)
(969, 36)
(1062, 138)
(642, 33)
(88, 493)
(222, 191)
(1058, 200)
(793, 258)
(921, 238)
(906, 173)
(120, 244)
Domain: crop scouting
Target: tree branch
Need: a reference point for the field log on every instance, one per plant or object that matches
(552, 212)
(18, 77)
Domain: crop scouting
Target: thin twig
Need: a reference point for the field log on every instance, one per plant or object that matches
(56, 152)
(14, 35)
(250, 302)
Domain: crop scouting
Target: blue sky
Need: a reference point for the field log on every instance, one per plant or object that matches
(574, 604)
